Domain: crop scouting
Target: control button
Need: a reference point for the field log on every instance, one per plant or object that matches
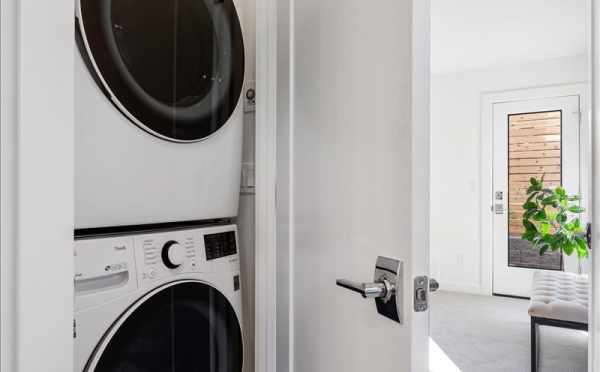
(152, 274)
(173, 254)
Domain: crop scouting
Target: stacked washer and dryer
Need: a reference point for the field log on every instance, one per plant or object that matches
(158, 145)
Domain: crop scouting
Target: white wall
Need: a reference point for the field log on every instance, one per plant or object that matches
(455, 160)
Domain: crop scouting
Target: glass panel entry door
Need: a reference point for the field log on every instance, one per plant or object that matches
(531, 138)
(188, 326)
(174, 68)
(534, 150)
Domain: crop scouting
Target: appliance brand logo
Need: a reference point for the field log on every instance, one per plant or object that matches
(122, 266)
(120, 247)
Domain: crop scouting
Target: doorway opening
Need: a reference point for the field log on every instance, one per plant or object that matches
(513, 105)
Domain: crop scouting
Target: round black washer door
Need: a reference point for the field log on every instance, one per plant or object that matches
(173, 67)
(186, 327)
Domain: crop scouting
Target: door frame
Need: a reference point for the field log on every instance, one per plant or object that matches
(36, 174)
(594, 329)
(573, 153)
(275, 247)
(486, 162)
(274, 234)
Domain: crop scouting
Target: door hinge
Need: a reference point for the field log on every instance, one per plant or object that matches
(74, 328)
(588, 235)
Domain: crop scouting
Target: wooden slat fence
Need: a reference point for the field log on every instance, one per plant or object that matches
(534, 150)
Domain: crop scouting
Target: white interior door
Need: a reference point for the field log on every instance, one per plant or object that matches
(532, 138)
(356, 158)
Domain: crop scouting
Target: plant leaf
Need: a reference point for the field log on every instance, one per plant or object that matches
(540, 215)
(576, 209)
(529, 235)
(568, 247)
(550, 200)
(582, 248)
(551, 213)
(544, 228)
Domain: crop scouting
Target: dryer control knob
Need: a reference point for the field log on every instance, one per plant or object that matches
(173, 254)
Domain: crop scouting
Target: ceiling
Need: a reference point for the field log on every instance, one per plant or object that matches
(474, 34)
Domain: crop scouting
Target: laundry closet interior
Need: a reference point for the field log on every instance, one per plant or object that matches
(164, 185)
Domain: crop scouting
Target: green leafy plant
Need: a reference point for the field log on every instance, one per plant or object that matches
(551, 220)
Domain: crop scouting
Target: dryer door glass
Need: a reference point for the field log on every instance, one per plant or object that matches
(185, 327)
(175, 68)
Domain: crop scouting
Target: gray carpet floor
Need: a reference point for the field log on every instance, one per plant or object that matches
(491, 334)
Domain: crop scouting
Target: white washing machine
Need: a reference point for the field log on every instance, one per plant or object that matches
(160, 301)
(158, 134)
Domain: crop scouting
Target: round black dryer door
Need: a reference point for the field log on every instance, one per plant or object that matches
(183, 327)
(173, 67)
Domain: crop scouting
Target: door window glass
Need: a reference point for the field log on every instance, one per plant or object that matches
(534, 151)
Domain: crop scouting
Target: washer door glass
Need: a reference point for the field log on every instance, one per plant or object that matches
(184, 327)
(174, 68)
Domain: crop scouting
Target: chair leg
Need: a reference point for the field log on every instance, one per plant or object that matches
(534, 353)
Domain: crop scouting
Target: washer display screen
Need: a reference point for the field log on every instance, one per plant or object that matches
(185, 327)
(174, 68)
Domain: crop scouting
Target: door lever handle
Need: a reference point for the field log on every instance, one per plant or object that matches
(386, 288)
(367, 290)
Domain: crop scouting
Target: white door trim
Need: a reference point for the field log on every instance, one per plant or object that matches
(421, 167)
(274, 338)
(36, 152)
(8, 184)
(594, 345)
(266, 192)
(488, 101)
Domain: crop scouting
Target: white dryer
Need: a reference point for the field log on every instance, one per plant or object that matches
(160, 301)
(158, 132)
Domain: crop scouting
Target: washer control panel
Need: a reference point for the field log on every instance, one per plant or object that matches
(110, 267)
(162, 255)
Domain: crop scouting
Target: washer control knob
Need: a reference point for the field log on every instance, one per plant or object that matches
(173, 254)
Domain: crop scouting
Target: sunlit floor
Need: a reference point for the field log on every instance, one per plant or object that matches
(439, 361)
(481, 333)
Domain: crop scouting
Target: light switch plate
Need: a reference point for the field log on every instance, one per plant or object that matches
(248, 178)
